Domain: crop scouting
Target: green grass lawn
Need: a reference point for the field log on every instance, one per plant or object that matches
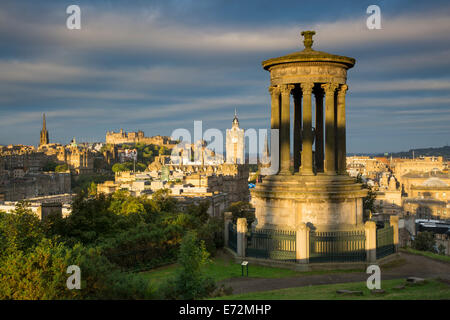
(223, 267)
(427, 254)
(431, 290)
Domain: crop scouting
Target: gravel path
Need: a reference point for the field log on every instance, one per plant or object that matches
(414, 265)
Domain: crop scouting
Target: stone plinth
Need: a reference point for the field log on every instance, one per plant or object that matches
(321, 201)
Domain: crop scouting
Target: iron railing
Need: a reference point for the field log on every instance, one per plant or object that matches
(385, 241)
(272, 244)
(337, 246)
(232, 237)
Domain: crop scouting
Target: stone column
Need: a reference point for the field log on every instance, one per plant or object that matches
(302, 243)
(285, 129)
(241, 238)
(307, 165)
(297, 94)
(341, 135)
(330, 141)
(318, 94)
(370, 229)
(393, 221)
(275, 109)
(228, 216)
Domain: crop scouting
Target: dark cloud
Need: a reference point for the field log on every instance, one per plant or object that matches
(160, 65)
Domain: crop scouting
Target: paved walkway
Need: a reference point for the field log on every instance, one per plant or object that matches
(415, 265)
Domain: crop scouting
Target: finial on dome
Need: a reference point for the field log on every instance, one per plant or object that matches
(308, 41)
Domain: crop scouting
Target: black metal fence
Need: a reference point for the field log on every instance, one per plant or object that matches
(385, 241)
(272, 244)
(337, 246)
(232, 237)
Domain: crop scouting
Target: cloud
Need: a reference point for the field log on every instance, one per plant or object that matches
(143, 67)
(401, 85)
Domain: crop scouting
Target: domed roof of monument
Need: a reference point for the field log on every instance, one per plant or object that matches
(309, 55)
(434, 182)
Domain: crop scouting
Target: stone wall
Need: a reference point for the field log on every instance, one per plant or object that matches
(36, 184)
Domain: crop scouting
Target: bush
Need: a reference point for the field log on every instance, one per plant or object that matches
(62, 168)
(189, 281)
(242, 209)
(424, 241)
(20, 230)
(212, 234)
(41, 274)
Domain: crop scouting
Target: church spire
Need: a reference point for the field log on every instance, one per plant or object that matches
(44, 133)
(235, 120)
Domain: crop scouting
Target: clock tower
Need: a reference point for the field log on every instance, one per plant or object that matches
(235, 143)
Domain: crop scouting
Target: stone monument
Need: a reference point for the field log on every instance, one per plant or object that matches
(317, 191)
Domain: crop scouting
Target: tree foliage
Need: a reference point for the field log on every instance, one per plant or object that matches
(189, 281)
(106, 236)
(424, 241)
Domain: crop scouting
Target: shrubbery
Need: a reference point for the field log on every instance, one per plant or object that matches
(41, 274)
(424, 241)
(106, 236)
(189, 281)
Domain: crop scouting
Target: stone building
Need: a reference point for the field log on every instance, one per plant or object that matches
(389, 196)
(416, 179)
(426, 208)
(401, 167)
(80, 160)
(235, 143)
(366, 166)
(44, 133)
(430, 199)
(122, 137)
(32, 185)
(25, 159)
(317, 190)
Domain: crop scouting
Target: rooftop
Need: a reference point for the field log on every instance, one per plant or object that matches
(309, 55)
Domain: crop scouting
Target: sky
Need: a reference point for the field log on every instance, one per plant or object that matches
(159, 65)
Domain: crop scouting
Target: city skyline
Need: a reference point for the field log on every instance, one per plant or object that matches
(160, 66)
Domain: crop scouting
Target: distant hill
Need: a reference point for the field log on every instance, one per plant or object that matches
(439, 151)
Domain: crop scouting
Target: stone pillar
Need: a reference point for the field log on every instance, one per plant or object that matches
(393, 221)
(370, 229)
(330, 141)
(307, 165)
(285, 129)
(341, 135)
(227, 217)
(302, 243)
(275, 109)
(241, 238)
(45, 210)
(297, 94)
(318, 94)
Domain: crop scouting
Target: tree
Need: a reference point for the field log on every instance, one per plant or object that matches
(62, 168)
(41, 274)
(49, 166)
(21, 229)
(189, 281)
(441, 249)
(424, 241)
(369, 200)
(163, 201)
(242, 209)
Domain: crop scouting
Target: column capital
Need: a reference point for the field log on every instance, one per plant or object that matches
(329, 88)
(287, 88)
(342, 89)
(274, 90)
(307, 87)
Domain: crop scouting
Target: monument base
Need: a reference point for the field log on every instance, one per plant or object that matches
(323, 202)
